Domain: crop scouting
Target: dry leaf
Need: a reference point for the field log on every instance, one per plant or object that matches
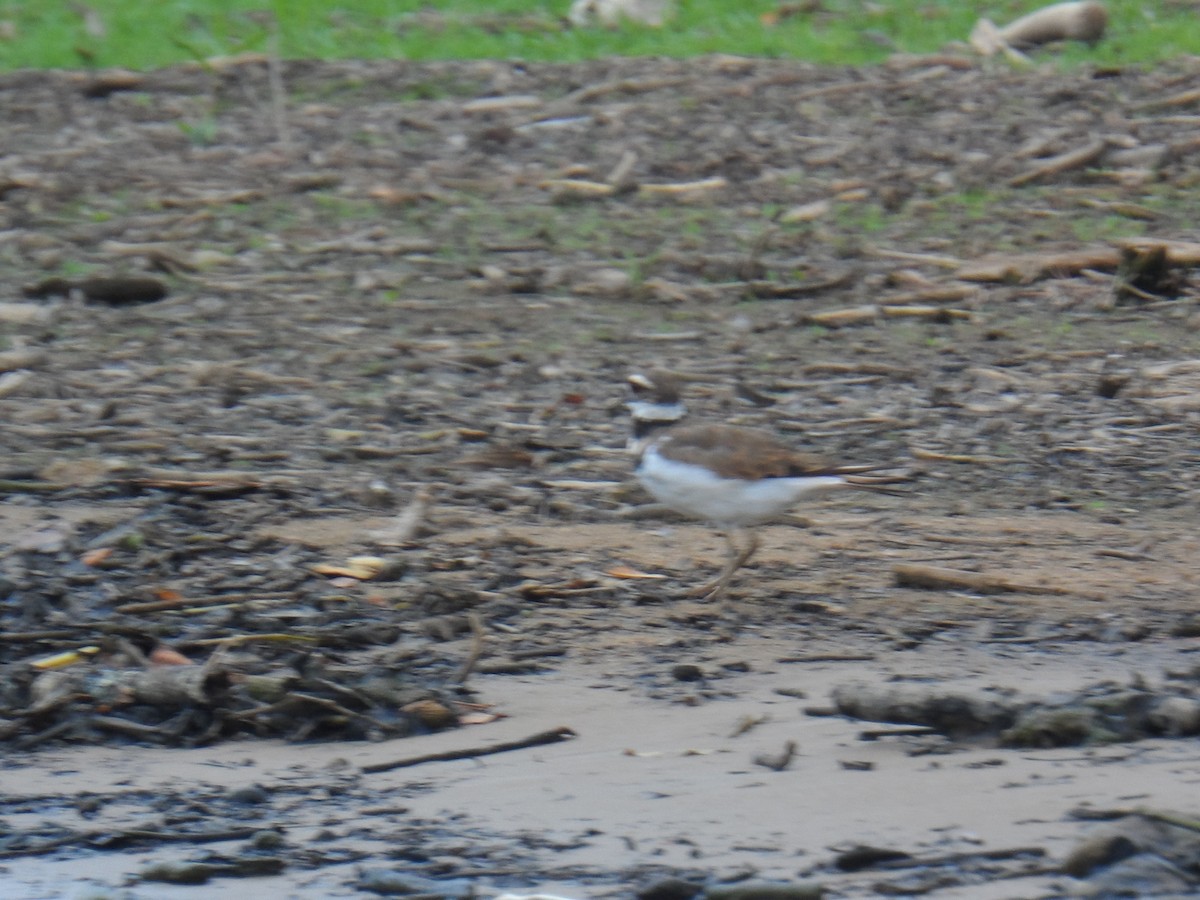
(67, 658)
(96, 557)
(165, 656)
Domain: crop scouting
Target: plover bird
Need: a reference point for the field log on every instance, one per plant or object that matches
(732, 477)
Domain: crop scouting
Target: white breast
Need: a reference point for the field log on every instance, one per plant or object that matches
(696, 491)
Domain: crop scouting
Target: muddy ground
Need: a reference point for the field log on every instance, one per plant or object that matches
(398, 303)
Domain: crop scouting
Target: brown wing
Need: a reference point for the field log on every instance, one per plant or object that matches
(745, 453)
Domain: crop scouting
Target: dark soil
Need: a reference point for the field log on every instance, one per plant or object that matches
(252, 330)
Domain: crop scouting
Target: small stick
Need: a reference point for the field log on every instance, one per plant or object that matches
(951, 859)
(875, 734)
(921, 453)
(553, 736)
(1056, 165)
(827, 657)
(683, 187)
(937, 578)
(275, 81)
(16, 486)
(408, 522)
(622, 86)
(777, 762)
(477, 639)
(238, 640)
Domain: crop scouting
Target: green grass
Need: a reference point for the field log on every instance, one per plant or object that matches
(137, 34)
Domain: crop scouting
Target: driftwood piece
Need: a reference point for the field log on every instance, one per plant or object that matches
(936, 578)
(577, 189)
(1025, 268)
(936, 293)
(683, 188)
(1178, 253)
(1079, 158)
(774, 290)
(167, 687)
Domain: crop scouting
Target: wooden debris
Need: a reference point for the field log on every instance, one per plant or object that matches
(214, 198)
(683, 189)
(807, 212)
(937, 456)
(1079, 158)
(1189, 97)
(790, 289)
(1025, 268)
(1177, 253)
(1122, 208)
(25, 313)
(937, 313)
(553, 736)
(777, 762)
(930, 259)
(863, 315)
(622, 86)
(489, 105)
(408, 523)
(18, 486)
(11, 360)
(577, 188)
(838, 318)
(478, 637)
(933, 294)
(936, 578)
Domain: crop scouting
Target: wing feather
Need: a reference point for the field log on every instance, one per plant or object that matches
(746, 453)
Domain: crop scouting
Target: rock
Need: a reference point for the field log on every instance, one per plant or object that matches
(1097, 851)
(863, 857)
(1148, 854)
(804, 891)
(670, 889)
(1144, 875)
(1055, 728)
(1175, 716)
(952, 713)
(399, 884)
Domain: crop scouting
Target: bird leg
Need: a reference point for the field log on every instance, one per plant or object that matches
(738, 557)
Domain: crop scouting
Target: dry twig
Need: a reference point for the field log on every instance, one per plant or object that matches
(553, 736)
